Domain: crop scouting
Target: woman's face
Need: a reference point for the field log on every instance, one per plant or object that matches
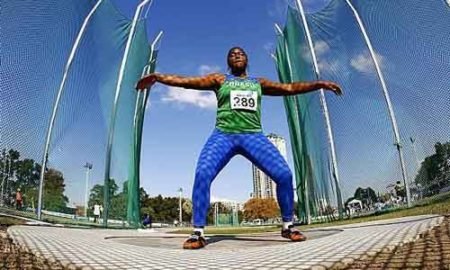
(237, 59)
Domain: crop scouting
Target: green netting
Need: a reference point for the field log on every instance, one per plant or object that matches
(37, 42)
(133, 207)
(305, 123)
(410, 41)
(122, 158)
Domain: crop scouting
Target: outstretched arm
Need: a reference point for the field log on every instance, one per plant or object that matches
(208, 82)
(270, 88)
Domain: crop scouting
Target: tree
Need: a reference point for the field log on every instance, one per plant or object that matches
(187, 209)
(28, 175)
(53, 195)
(366, 195)
(119, 206)
(97, 193)
(434, 172)
(147, 210)
(161, 209)
(143, 196)
(8, 165)
(261, 208)
(25, 174)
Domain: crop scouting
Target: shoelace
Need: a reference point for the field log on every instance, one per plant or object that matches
(194, 237)
(291, 230)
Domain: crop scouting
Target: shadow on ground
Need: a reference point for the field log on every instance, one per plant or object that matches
(219, 242)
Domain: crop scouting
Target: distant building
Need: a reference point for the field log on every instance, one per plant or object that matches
(263, 186)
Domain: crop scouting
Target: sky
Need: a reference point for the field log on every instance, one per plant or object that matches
(197, 36)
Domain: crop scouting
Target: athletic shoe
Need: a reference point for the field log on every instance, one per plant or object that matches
(293, 234)
(195, 241)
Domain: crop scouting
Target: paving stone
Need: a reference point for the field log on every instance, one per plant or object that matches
(115, 249)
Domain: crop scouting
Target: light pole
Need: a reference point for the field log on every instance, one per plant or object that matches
(3, 179)
(88, 167)
(216, 213)
(235, 214)
(180, 190)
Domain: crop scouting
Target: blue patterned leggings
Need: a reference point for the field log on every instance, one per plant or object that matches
(218, 151)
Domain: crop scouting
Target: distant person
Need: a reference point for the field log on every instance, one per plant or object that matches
(147, 222)
(238, 131)
(399, 191)
(97, 212)
(19, 201)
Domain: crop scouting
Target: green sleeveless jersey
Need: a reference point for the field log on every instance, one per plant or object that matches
(239, 105)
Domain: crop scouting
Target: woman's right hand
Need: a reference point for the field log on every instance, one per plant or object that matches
(146, 82)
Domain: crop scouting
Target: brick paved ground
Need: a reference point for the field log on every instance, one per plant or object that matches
(106, 249)
(13, 257)
(431, 251)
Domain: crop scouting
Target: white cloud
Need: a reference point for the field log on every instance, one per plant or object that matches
(363, 62)
(201, 99)
(327, 66)
(182, 96)
(206, 69)
(321, 48)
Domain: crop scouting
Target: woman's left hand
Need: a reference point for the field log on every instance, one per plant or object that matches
(332, 87)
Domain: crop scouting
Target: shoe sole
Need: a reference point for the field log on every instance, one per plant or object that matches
(296, 240)
(192, 248)
(188, 246)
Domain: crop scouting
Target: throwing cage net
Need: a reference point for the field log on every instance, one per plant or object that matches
(410, 43)
(95, 114)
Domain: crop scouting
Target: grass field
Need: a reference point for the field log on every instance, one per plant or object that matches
(439, 204)
(8, 221)
(60, 220)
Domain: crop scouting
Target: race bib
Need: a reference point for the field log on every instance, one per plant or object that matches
(243, 100)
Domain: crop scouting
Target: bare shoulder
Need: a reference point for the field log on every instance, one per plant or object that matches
(218, 78)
